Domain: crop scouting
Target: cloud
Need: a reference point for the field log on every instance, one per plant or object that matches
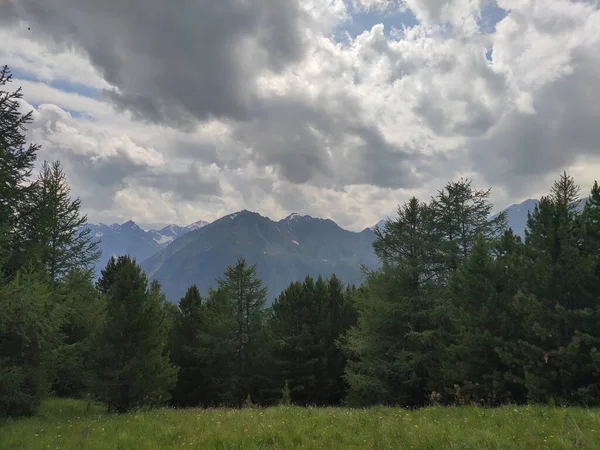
(175, 62)
(550, 56)
(208, 107)
(100, 165)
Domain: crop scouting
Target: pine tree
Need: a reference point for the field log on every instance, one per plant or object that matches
(132, 362)
(55, 230)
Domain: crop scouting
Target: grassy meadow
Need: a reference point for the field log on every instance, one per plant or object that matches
(74, 424)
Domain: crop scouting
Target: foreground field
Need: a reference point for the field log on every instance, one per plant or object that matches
(70, 424)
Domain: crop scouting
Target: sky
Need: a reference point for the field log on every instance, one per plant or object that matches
(173, 112)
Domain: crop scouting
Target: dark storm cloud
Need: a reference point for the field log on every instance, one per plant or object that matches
(7, 12)
(189, 185)
(564, 127)
(200, 59)
(295, 136)
(199, 150)
(175, 61)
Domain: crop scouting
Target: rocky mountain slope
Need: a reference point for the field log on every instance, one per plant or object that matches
(283, 251)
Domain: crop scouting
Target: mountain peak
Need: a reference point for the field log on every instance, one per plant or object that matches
(296, 216)
(243, 212)
(130, 225)
(197, 225)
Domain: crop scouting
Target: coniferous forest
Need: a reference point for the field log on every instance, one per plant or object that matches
(461, 311)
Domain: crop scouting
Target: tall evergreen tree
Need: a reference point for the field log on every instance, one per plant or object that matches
(28, 333)
(461, 214)
(17, 159)
(187, 350)
(55, 230)
(296, 330)
(396, 347)
(480, 295)
(244, 291)
(305, 322)
(217, 347)
(557, 303)
(82, 309)
(109, 273)
(132, 363)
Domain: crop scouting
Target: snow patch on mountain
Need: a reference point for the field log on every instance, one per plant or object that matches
(197, 225)
(164, 240)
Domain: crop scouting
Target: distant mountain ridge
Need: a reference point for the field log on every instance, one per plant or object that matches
(516, 214)
(283, 251)
(129, 239)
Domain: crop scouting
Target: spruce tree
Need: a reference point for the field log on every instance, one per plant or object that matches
(479, 296)
(55, 230)
(244, 291)
(82, 309)
(132, 364)
(29, 325)
(297, 326)
(217, 347)
(339, 316)
(187, 350)
(109, 273)
(557, 303)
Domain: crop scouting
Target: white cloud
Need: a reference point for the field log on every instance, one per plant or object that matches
(45, 61)
(347, 131)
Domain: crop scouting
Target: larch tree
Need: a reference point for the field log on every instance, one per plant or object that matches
(17, 159)
(55, 229)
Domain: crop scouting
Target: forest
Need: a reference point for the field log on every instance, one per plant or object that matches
(461, 310)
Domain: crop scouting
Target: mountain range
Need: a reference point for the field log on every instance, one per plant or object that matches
(283, 251)
(129, 239)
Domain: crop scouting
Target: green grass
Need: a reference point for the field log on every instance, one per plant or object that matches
(72, 424)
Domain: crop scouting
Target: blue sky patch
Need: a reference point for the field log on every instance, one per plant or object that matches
(365, 20)
(491, 14)
(362, 20)
(75, 88)
(62, 85)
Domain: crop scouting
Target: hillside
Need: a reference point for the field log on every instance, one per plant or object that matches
(283, 251)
